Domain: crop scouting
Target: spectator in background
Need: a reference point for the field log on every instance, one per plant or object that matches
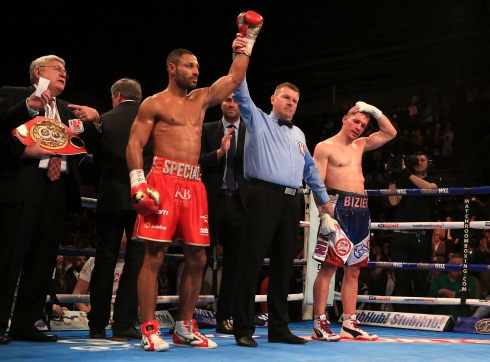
(84, 280)
(379, 276)
(411, 246)
(71, 275)
(449, 285)
(447, 146)
(438, 249)
(413, 112)
(482, 311)
(482, 250)
(452, 240)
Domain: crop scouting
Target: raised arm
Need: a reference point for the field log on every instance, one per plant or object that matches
(386, 130)
(249, 24)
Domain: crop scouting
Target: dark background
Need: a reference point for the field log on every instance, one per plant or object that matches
(336, 52)
(333, 50)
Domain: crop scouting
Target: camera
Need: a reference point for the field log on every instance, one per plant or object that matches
(395, 163)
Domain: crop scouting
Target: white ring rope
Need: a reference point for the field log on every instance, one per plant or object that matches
(92, 203)
(161, 299)
(421, 225)
(415, 300)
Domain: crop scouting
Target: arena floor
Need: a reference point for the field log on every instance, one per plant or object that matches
(393, 345)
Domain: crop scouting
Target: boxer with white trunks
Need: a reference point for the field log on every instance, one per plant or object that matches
(349, 244)
(343, 241)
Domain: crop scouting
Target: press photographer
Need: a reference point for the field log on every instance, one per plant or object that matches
(395, 163)
(411, 246)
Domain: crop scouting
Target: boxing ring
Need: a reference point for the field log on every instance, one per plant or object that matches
(310, 237)
(410, 344)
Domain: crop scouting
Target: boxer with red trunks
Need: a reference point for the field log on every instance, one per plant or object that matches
(172, 202)
(183, 209)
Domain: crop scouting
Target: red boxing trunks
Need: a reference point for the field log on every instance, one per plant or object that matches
(183, 210)
(350, 244)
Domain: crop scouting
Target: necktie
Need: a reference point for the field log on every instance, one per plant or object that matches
(282, 122)
(50, 111)
(230, 157)
(54, 166)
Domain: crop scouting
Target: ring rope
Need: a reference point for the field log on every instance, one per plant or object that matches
(415, 300)
(161, 299)
(91, 203)
(430, 192)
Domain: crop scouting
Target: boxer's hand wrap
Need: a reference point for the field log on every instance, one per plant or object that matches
(145, 199)
(249, 24)
(372, 110)
(328, 225)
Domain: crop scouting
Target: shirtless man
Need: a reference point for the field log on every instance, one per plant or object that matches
(344, 240)
(172, 202)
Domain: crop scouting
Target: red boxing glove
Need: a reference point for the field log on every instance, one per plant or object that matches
(145, 199)
(249, 25)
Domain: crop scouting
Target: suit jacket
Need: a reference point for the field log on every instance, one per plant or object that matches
(14, 116)
(110, 158)
(213, 168)
(439, 253)
(12, 150)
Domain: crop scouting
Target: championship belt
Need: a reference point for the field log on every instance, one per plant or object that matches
(54, 136)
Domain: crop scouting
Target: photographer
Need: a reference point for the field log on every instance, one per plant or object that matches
(411, 246)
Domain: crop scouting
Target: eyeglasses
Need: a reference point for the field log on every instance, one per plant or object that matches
(58, 69)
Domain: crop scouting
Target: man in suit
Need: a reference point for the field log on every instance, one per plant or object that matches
(222, 175)
(116, 215)
(37, 205)
(10, 118)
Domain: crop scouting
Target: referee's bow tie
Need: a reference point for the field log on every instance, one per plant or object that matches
(282, 122)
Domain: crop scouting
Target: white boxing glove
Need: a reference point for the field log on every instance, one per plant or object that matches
(328, 225)
(372, 110)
